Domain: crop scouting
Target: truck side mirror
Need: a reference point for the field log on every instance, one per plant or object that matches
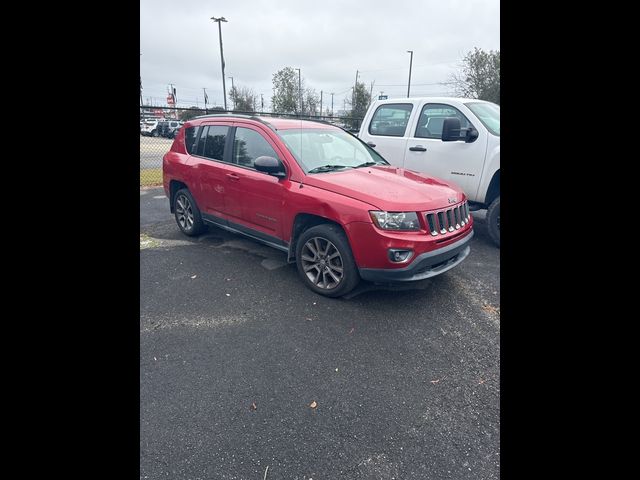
(451, 129)
(472, 135)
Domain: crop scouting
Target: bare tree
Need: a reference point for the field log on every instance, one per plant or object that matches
(243, 99)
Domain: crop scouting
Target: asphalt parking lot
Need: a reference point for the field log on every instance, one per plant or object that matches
(234, 349)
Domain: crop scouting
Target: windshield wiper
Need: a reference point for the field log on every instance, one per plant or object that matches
(327, 168)
(367, 164)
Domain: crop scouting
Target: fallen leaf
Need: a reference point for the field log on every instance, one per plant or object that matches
(313, 404)
(491, 309)
(253, 406)
(194, 276)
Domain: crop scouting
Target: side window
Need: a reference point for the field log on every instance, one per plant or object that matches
(215, 140)
(432, 118)
(390, 119)
(249, 145)
(190, 135)
(201, 142)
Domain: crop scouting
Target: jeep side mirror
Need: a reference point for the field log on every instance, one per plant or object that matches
(451, 129)
(270, 165)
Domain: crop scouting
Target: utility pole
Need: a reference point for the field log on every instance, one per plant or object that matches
(371, 93)
(261, 103)
(205, 100)
(331, 105)
(173, 95)
(300, 89)
(353, 97)
(320, 102)
(410, 65)
(224, 88)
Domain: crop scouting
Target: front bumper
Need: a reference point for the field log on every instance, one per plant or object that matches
(428, 264)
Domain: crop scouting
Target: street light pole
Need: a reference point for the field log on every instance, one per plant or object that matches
(331, 105)
(410, 65)
(224, 88)
(299, 90)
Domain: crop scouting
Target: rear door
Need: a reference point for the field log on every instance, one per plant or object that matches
(255, 198)
(388, 131)
(210, 169)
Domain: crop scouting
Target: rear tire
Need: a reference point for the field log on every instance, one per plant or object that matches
(187, 213)
(493, 221)
(325, 261)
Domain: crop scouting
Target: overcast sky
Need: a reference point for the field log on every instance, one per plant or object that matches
(328, 40)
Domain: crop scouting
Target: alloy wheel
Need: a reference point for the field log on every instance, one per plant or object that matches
(322, 263)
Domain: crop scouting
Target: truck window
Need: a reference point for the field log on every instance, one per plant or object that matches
(390, 119)
(432, 118)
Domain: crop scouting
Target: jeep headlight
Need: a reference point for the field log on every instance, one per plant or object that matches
(395, 220)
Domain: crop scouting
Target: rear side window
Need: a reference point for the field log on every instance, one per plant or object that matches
(214, 141)
(390, 119)
(190, 135)
(432, 118)
(249, 145)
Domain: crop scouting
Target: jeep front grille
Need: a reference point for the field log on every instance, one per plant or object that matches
(448, 220)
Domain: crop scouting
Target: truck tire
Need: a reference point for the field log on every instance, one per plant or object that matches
(493, 221)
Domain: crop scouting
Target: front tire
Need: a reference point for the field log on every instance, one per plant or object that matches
(493, 221)
(325, 261)
(187, 213)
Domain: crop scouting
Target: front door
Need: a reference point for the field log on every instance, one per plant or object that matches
(458, 162)
(255, 197)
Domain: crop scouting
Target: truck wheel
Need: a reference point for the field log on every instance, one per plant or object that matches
(493, 221)
(325, 262)
(187, 213)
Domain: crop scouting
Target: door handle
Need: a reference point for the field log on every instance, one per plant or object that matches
(418, 148)
(372, 145)
(233, 176)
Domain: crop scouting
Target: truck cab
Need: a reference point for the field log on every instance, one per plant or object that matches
(456, 139)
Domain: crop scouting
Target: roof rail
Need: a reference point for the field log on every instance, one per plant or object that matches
(237, 115)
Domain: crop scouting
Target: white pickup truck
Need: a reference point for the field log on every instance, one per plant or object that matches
(456, 139)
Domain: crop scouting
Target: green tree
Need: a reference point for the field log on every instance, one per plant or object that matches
(358, 103)
(243, 99)
(285, 91)
(480, 76)
(192, 112)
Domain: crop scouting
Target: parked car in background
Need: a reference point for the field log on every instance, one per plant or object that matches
(322, 196)
(149, 128)
(456, 139)
(168, 128)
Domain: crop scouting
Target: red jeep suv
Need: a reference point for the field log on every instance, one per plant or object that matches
(319, 194)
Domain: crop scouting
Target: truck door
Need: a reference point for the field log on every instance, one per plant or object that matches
(387, 130)
(458, 162)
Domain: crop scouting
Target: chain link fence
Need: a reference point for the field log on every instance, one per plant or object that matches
(158, 127)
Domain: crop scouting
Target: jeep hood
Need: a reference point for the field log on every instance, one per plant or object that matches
(389, 188)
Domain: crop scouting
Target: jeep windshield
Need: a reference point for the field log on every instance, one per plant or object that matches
(326, 150)
(489, 115)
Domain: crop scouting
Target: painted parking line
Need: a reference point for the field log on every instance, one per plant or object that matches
(160, 196)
